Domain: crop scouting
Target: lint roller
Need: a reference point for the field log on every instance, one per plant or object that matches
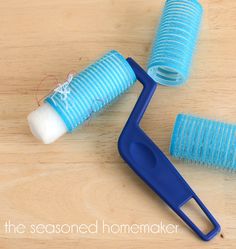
(88, 92)
(204, 141)
(98, 85)
(175, 42)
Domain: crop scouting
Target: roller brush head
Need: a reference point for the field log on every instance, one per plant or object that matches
(204, 141)
(175, 41)
(88, 92)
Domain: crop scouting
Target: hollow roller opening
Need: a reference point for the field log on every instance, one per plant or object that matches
(175, 41)
(165, 75)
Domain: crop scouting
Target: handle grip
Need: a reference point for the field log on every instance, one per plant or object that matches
(150, 163)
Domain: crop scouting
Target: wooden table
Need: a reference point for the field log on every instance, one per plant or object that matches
(81, 178)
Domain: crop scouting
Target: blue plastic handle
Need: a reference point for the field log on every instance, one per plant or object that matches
(150, 163)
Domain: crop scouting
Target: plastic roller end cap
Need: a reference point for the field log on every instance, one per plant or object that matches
(46, 124)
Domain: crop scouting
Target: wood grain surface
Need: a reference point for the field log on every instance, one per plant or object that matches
(81, 178)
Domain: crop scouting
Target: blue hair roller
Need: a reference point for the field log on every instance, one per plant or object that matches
(70, 104)
(173, 46)
(204, 141)
(92, 89)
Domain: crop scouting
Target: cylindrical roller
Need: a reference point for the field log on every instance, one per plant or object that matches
(88, 92)
(204, 141)
(175, 41)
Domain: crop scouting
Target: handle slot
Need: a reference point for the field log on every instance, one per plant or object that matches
(198, 217)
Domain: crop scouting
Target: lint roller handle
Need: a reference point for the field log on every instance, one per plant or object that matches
(150, 163)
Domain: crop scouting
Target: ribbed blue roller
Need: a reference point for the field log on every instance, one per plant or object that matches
(204, 141)
(92, 89)
(175, 41)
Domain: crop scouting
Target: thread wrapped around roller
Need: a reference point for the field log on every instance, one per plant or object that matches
(204, 141)
(88, 92)
(175, 41)
(93, 88)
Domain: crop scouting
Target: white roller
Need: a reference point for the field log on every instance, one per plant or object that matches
(46, 124)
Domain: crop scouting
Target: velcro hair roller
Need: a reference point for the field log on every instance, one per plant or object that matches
(204, 141)
(175, 41)
(71, 104)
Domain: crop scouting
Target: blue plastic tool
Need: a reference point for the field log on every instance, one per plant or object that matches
(150, 163)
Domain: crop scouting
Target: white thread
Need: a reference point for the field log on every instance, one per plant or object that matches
(63, 90)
